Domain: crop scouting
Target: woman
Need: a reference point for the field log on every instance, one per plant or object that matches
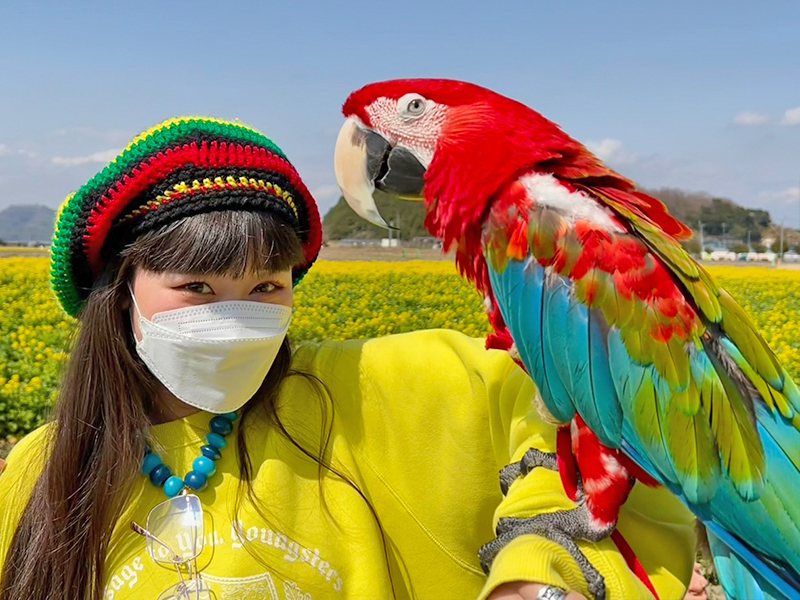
(191, 456)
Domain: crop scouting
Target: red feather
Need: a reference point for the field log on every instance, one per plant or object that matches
(567, 468)
(645, 207)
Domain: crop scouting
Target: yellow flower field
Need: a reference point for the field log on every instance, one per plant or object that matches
(338, 300)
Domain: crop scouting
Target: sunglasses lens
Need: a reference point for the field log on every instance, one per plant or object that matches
(178, 526)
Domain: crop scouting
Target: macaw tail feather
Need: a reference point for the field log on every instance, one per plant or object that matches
(744, 575)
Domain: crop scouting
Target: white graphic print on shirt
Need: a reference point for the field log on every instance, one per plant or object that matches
(244, 588)
(239, 588)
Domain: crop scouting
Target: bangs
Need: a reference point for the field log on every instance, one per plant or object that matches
(233, 242)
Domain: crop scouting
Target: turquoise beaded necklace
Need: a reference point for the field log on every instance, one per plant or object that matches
(203, 466)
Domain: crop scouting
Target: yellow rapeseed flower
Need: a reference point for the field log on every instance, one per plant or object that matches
(336, 301)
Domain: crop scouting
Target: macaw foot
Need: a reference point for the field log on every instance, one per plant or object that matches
(563, 528)
(533, 458)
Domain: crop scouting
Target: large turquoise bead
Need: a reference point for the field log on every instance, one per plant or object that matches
(150, 462)
(230, 416)
(221, 425)
(205, 466)
(173, 486)
(196, 481)
(211, 452)
(216, 440)
(160, 474)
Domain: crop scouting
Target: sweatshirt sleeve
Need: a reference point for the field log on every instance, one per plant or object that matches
(657, 526)
(22, 470)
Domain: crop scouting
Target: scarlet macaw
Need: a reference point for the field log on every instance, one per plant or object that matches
(653, 370)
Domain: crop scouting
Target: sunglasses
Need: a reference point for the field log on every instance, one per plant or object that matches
(175, 536)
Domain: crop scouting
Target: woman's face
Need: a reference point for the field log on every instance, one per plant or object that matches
(159, 292)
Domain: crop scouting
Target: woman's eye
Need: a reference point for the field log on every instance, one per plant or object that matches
(198, 287)
(265, 288)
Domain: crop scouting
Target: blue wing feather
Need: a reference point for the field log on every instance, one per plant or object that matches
(521, 295)
(629, 378)
(745, 575)
(603, 398)
(547, 321)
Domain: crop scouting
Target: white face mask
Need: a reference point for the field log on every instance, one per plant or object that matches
(213, 356)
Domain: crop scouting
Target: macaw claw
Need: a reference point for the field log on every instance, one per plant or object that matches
(533, 458)
(563, 528)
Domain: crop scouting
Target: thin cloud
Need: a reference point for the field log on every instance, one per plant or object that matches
(326, 192)
(611, 151)
(6, 151)
(791, 116)
(98, 157)
(786, 197)
(790, 195)
(751, 118)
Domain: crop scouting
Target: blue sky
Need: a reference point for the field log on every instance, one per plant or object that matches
(700, 95)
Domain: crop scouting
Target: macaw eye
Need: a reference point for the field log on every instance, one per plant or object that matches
(416, 106)
(412, 106)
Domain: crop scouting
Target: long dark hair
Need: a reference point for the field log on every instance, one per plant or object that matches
(106, 400)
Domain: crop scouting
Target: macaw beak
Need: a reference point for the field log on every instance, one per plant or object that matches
(364, 161)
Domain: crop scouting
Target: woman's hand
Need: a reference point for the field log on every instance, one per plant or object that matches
(524, 590)
(698, 585)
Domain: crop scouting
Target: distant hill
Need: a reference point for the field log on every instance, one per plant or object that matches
(342, 223)
(721, 217)
(27, 223)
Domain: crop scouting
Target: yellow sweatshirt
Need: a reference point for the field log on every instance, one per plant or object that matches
(422, 423)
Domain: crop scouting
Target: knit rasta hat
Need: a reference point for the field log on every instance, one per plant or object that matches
(182, 167)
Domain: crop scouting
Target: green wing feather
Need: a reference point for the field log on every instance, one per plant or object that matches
(716, 306)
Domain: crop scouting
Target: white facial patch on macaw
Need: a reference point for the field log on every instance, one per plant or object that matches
(418, 135)
(574, 206)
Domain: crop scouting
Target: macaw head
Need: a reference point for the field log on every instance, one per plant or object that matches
(449, 143)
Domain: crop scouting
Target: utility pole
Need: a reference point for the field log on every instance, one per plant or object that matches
(749, 247)
(702, 244)
(780, 248)
(724, 244)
